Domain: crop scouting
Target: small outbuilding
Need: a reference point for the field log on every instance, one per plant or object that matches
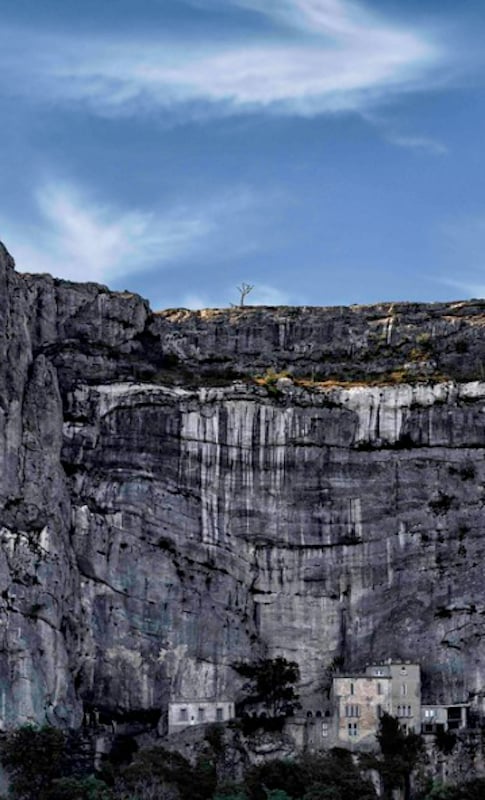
(184, 713)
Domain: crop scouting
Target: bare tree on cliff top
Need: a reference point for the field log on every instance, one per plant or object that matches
(244, 290)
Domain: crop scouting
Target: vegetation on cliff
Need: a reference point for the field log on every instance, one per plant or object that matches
(44, 764)
(271, 682)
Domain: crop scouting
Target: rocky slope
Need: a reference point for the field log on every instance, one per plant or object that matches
(163, 515)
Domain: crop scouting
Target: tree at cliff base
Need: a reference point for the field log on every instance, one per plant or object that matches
(271, 682)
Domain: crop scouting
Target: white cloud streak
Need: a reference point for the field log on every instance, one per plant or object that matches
(77, 238)
(335, 56)
(471, 289)
(423, 144)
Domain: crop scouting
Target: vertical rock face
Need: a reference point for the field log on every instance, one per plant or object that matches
(345, 524)
(39, 587)
(156, 531)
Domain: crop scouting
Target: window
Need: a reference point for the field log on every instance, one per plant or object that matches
(353, 728)
(201, 714)
(399, 711)
(403, 671)
(379, 687)
(324, 728)
(379, 711)
(219, 714)
(351, 688)
(183, 715)
(352, 711)
(429, 713)
(409, 711)
(378, 672)
(404, 689)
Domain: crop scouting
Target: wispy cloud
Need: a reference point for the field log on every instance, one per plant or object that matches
(467, 287)
(390, 130)
(334, 55)
(78, 238)
(422, 144)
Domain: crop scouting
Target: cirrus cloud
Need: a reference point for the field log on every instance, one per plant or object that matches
(77, 237)
(324, 56)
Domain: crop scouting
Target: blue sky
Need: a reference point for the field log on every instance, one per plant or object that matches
(326, 151)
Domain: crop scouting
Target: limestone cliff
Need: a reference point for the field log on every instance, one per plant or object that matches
(163, 515)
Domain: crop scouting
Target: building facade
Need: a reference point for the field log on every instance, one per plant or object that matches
(182, 714)
(360, 701)
(448, 718)
(405, 691)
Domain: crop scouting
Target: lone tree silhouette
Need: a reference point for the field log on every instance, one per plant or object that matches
(271, 681)
(244, 290)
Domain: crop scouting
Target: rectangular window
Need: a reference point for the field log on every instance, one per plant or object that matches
(324, 728)
(201, 714)
(219, 714)
(352, 711)
(379, 711)
(353, 728)
(379, 687)
(351, 688)
(404, 689)
(183, 715)
(409, 711)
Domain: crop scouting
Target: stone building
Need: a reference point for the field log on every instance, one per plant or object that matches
(449, 718)
(405, 691)
(182, 714)
(361, 699)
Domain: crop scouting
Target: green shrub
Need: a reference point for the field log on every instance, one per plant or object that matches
(424, 341)
(230, 791)
(401, 752)
(276, 774)
(84, 789)
(34, 758)
(334, 776)
(215, 737)
(470, 790)
(271, 681)
(445, 741)
(157, 772)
